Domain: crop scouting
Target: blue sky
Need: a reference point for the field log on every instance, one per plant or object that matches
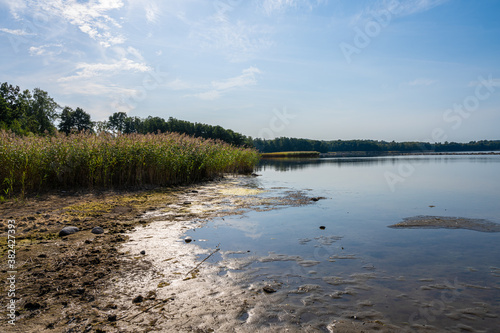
(426, 70)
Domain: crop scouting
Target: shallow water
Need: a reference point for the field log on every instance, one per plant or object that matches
(357, 268)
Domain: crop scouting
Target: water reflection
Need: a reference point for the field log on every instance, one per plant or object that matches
(356, 267)
(289, 164)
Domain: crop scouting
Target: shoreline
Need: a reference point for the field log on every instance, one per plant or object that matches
(112, 281)
(61, 282)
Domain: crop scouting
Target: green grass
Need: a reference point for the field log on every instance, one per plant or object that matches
(291, 154)
(31, 164)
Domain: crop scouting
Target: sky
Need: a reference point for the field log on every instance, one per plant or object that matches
(407, 70)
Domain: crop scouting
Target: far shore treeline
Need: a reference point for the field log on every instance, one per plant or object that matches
(292, 144)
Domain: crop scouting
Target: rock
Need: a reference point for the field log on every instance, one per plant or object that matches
(32, 306)
(186, 203)
(194, 191)
(322, 227)
(188, 239)
(68, 231)
(138, 299)
(112, 317)
(143, 252)
(268, 289)
(97, 230)
(317, 198)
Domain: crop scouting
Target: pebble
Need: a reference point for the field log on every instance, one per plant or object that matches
(322, 227)
(68, 231)
(138, 299)
(143, 252)
(188, 239)
(97, 230)
(269, 289)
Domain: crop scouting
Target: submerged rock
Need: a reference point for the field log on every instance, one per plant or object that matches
(188, 239)
(68, 231)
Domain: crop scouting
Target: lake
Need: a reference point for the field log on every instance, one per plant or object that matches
(337, 259)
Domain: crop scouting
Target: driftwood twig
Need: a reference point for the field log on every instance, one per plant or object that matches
(201, 262)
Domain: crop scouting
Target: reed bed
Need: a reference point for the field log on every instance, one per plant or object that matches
(32, 164)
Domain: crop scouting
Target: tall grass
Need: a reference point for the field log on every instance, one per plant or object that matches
(36, 163)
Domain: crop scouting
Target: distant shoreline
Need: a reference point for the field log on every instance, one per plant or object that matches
(315, 154)
(375, 154)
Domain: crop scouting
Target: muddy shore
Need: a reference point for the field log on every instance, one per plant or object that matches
(122, 281)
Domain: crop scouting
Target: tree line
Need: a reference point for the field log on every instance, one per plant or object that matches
(294, 144)
(35, 112)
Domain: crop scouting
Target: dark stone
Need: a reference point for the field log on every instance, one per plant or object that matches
(194, 191)
(317, 198)
(268, 289)
(97, 230)
(322, 227)
(188, 239)
(32, 306)
(186, 203)
(43, 255)
(138, 299)
(112, 317)
(143, 252)
(68, 231)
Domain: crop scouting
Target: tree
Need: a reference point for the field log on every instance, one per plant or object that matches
(44, 111)
(77, 120)
(117, 122)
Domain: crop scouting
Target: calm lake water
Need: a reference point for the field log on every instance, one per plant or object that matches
(358, 268)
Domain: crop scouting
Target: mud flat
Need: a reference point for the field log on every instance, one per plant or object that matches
(70, 283)
(436, 222)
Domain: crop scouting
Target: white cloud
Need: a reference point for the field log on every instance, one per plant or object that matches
(388, 9)
(178, 84)
(95, 89)
(421, 82)
(46, 50)
(90, 17)
(86, 70)
(273, 6)
(152, 11)
(236, 41)
(15, 6)
(17, 32)
(209, 95)
(245, 79)
(216, 89)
